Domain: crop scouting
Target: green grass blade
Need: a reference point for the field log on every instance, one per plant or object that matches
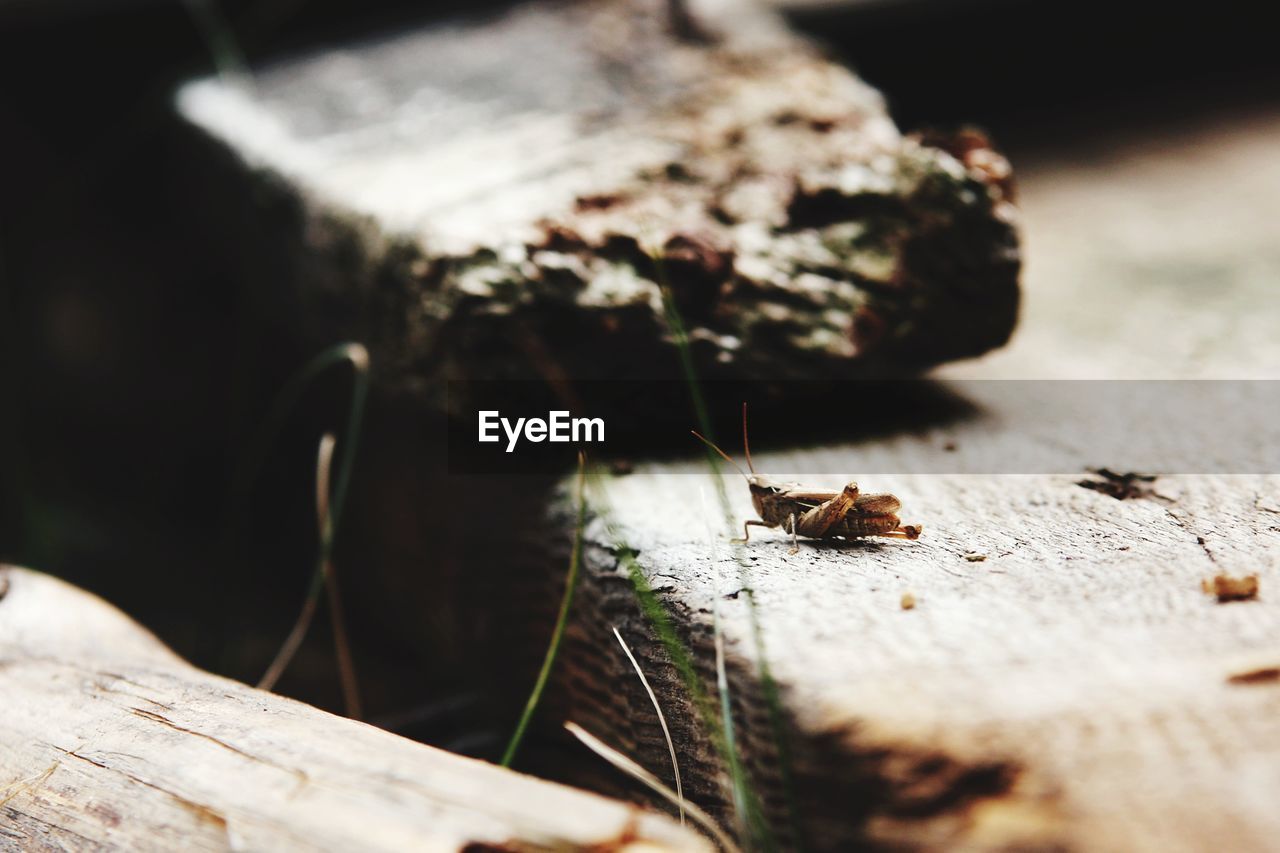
(708, 711)
(557, 633)
(224, 49)
(773, 702)
(740, 804)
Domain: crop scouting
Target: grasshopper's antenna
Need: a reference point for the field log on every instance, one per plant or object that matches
(745, 446)
(725, 456)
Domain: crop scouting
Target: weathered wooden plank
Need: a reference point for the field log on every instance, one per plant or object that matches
(1072, 687)
(109, 742)
(484, 199)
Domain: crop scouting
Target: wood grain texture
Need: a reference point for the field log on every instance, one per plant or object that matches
(109, 742)
(1063, 681)
(1071, 688)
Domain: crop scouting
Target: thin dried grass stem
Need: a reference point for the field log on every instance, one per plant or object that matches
(736, 773)
(635, 771)
(662, 721)
(291, 644)
(341, 642)
(325, 577)
(324, 462)
(23, 786)
(329, 503)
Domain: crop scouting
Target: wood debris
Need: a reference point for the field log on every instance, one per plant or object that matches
(1127, 486)
(1258, 675)
(1230, 588)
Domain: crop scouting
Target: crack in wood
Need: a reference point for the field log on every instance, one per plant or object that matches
(161, 719)
(201, 811)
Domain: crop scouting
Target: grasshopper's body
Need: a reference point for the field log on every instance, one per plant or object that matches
(823, 515)
(802, 511)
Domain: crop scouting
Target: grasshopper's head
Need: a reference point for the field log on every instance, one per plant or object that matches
(764, 487)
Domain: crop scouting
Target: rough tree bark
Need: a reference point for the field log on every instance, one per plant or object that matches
(487, 199)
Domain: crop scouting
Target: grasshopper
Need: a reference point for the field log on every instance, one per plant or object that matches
(815, 514)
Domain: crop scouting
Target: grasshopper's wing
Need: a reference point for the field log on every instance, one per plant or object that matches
(877, 504)
(867, 504)
(807, 496)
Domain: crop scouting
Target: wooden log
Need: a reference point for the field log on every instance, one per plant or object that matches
(108, 741)
(485, 199)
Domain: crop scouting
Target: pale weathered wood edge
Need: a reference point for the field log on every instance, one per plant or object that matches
(110, 741)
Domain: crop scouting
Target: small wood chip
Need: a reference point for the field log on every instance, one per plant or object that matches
(908, 601)
(1259, 675)
(1228, 588)
(975, 558)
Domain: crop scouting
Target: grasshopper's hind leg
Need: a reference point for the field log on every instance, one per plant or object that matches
(746, 531)
(819, 521)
